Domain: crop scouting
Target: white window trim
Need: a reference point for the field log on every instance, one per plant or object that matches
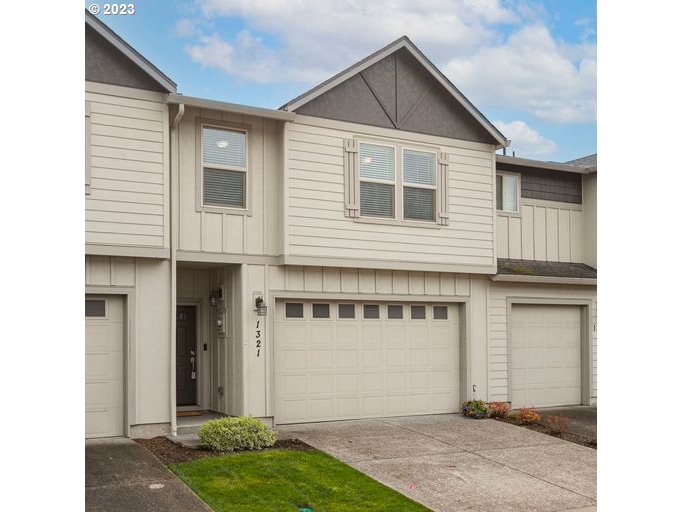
(399, 185)
(248, 173)
(509, 213)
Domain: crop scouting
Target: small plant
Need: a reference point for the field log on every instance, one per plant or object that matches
(498, 409)
(527, 416)
(475, 409)
(557, 424)
(241, 433)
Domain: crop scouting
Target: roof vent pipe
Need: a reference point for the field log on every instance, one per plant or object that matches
(504, 151)
(513, 153)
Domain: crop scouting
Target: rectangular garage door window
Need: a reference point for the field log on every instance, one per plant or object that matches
(395, 311)
(371, 311)
(418, 312)
(346, 310)
(320, 310)
(95, 308)
(294, 310)
(440, 312)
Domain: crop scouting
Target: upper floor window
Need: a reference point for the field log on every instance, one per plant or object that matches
(397, 183)
(223, 167)
(507, 190)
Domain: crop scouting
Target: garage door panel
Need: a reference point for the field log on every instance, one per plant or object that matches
(545, 355)
(354, 368)
(104, 368)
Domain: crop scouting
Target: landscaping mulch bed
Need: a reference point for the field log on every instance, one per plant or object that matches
(169, 452)
(590, 442)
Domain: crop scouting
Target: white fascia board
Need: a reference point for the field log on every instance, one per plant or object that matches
(539, 164)
(190, 101)
(510, 278)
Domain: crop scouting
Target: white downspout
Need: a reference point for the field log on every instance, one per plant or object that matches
(174, 137)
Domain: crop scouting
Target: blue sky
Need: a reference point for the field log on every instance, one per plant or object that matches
(530, 67)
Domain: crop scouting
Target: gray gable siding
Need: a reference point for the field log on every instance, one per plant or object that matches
(105, 64)
(397, 92)
(548, 185)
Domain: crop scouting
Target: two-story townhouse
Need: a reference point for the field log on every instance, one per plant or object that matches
(338, 258)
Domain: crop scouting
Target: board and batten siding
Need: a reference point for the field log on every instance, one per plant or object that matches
(317, 227)
(147, 284)
(210, 230)
(127, 204)
(544, 231)
(498, 348)
(367, 281)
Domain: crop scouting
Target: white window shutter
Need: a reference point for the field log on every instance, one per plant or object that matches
(351, 179)
(443, 202)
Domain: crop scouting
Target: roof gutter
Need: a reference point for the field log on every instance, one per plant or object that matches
(515, 278)
(549, 166)
(236, 108)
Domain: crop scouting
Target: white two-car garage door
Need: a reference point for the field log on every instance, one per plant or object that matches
(342, 360)
(545, 355)
(103, 366)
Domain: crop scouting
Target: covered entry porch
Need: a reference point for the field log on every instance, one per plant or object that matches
(207, 359)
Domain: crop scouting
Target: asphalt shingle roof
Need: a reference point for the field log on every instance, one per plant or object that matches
(586, 161)
(545, 268)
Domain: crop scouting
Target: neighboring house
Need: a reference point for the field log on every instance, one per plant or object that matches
(360, 252)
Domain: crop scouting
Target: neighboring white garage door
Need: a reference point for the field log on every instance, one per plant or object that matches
(545, 355)
(103, 366)
(340, 360)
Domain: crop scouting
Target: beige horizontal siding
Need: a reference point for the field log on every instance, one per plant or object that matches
(315, 214)
(128, 197)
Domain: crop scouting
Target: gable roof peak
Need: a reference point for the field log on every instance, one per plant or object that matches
(402, 42)
(131, 53)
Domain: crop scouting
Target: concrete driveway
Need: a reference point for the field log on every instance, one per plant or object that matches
(122, 476)
(451, 463)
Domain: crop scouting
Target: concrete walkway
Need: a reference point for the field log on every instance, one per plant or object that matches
(122, 476)
(451, 463)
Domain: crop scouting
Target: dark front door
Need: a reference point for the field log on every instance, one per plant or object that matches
(186, 357)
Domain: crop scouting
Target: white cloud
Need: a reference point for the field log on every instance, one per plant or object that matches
(525, 141)
(528, 70)
(531, 72)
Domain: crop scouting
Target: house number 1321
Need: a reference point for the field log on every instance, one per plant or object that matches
(259, 339)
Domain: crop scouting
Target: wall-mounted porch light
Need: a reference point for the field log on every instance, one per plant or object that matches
(215, 295)
(261, 307)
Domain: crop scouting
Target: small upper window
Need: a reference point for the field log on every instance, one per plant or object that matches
(320, 310)
(95, 307)
(440, 312)
(371, 311)
(346, 310)
(395, 311)
(223, 161)
(294, 310)
(507, 199)
(418, 312)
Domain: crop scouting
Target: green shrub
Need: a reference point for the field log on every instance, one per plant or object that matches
(241, 433)
(474, 409)
(498, 409)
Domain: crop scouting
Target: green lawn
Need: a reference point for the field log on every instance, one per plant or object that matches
(284, 480)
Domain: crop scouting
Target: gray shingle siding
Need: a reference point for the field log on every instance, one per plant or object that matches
(548, 185)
